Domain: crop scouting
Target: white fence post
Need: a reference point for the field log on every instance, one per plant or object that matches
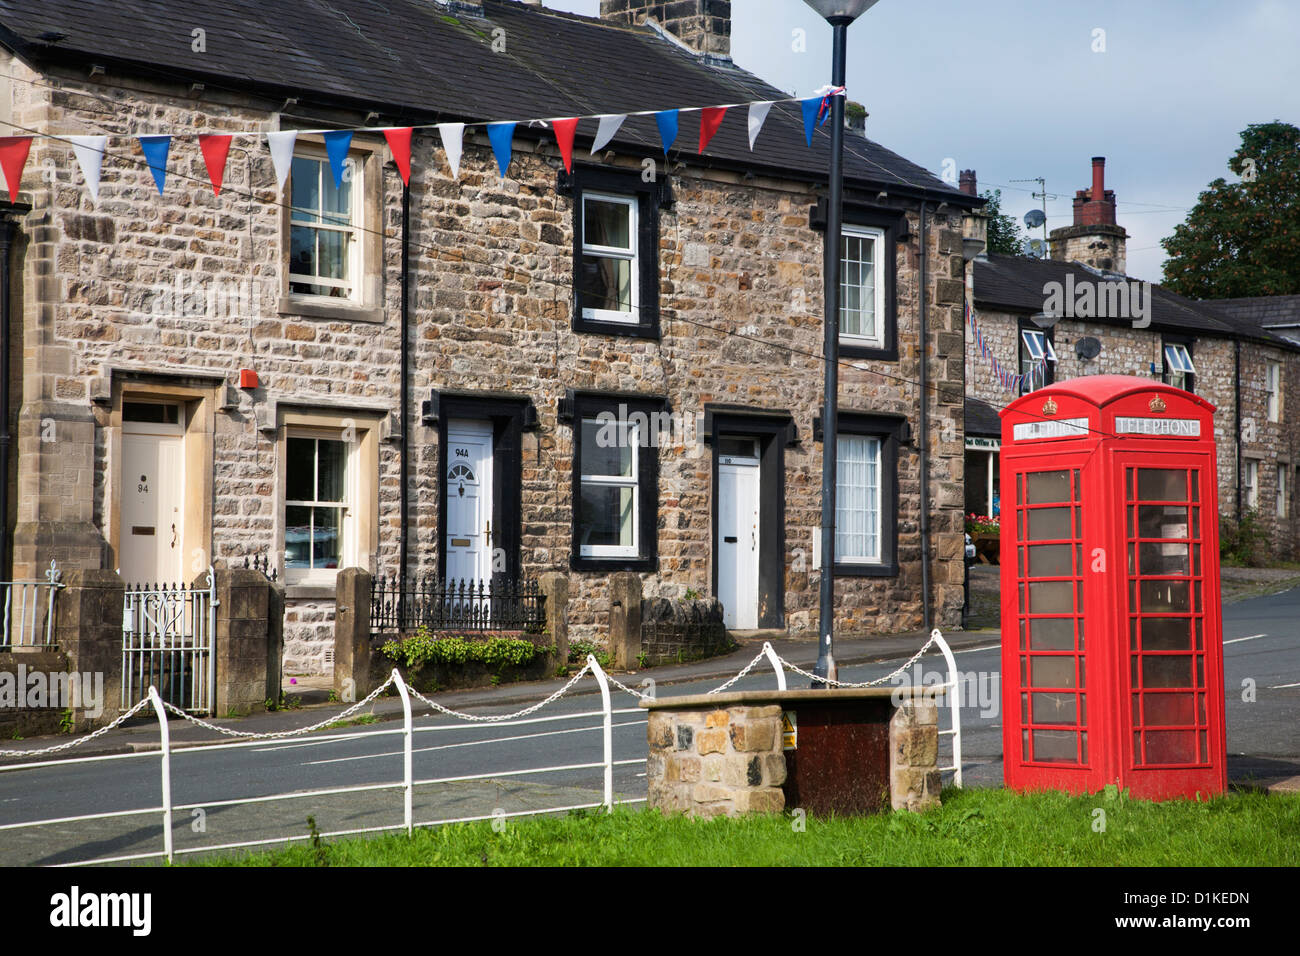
(406, 747)
(609, 732)
(165, 738)
(776, 665)
(954, 705)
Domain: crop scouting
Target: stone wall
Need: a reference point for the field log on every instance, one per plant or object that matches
(492, 263)
(673, 631)
(716, 762)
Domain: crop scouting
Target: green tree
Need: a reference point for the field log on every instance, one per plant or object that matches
(1243, 238)
(1005, 238)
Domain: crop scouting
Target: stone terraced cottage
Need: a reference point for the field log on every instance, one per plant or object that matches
(1234, 353)
(203, 378)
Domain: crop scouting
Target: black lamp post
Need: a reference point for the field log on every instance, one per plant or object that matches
(839, 14)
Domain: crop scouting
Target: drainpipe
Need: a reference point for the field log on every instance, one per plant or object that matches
(7, 229)
(403, 403)
(925, 443)
(1236, 385)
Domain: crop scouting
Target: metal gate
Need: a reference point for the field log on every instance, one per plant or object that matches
(167, 634)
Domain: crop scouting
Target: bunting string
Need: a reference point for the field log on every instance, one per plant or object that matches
(90, 150)
(1009, 381)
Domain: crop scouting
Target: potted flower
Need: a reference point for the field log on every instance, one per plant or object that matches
(983, 530)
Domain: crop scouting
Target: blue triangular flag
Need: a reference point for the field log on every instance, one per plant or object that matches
(155, 154)
(810, 107)
(667, 122)
(501, 135)
(337, 142)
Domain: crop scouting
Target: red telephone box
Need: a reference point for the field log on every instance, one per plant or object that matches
(1112, 638)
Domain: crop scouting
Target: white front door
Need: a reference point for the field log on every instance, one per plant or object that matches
(468, 487)
(737, 545)
(153, 482)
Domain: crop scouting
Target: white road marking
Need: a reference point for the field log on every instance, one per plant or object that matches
(474, 743)
(1238, 640)
(1284, 686)
(971, 650)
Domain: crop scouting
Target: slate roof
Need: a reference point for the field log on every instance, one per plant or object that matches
(982, 419)
(1016, 283)
(1279, 314)
(420, 61)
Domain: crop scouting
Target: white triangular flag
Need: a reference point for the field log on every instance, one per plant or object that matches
(89, 151)
(605, 131)
(281, 154)
(453, 141)
(757, 117)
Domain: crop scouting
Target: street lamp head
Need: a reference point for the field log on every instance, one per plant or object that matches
(844, 10)
(1045, 320)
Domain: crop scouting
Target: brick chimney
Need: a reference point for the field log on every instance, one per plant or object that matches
(966, 182)
(703, 25)
(1095, 239)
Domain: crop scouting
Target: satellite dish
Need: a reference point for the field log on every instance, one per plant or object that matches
(1087, 348)
(1035, 218)
(1035, 248)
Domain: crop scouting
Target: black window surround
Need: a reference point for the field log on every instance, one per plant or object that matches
(1024, 325)
(1188, 342)
(650, 197)
(893, 222)
(510, 416)
(774, 430)
(892, 430)
(589, 405)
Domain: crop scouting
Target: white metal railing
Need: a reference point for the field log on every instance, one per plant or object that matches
(167, 634)
(407, 784)
(407, 731)
(29, 611)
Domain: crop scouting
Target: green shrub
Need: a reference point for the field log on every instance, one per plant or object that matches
(1244, 542)
(425, 647)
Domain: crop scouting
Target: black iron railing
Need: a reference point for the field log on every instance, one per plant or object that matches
(457, 605)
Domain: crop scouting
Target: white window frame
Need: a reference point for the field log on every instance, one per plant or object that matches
(353, 173)
(630, 432)
(1250, 484)
(877, 502)
(347, 520)
(1178, 364)
(1037, 344)
(877, 237)
(1281, 493)
(1273, 386)
(631, 255)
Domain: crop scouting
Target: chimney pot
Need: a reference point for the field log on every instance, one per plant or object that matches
(1098, 178)
(966, 182)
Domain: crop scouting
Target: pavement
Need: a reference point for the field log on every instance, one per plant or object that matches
(141, 733)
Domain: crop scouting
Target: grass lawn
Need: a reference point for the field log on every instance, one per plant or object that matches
(973, 828)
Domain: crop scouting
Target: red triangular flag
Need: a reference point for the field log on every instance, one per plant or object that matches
(399, 141)
(215, 150)
(710, 120)
(13, 157)
(564, 130)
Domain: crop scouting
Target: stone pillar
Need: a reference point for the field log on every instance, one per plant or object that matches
(624, 619)
(352, 679)
(709, 763)
(244, 607)
(88, 629)
(914, 782)
(555, 586)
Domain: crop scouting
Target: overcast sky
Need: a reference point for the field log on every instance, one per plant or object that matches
(1013, 89)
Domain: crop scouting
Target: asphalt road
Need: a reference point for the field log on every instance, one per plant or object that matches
(1261, 645)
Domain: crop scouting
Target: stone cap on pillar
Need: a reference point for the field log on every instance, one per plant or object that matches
(759, 697)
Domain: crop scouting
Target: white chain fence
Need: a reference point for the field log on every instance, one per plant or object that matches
(405, 692)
